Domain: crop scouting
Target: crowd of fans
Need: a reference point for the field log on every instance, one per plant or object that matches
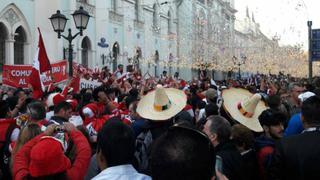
(137, 126)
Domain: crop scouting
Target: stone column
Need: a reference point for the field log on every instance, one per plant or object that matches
(10, 50)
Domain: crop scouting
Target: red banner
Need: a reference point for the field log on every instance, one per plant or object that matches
(19, 75)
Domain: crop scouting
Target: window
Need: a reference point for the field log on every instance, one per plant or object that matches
(114, 5)
(85, 45)
(137, 10)
(155, 18)
(20, 40)
(169, 22)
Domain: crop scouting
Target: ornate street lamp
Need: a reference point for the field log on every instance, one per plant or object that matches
(58, 21)
(239, 62)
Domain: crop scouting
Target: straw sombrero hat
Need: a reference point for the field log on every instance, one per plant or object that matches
(162, 103)
(244, 107)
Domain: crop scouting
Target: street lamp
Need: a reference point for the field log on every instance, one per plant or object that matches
(58, 21)
(239, 62)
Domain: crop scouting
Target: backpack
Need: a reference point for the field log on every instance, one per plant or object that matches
(143, 150)
(6, 128)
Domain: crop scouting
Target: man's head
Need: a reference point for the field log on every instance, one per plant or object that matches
(120, 67)
(242, 137)
(272, 123)
(310, 111)
(116, 144)
(111, 93)
(63, 109)
(99, 95)
(211, 95)
(211, 109)
(295, 90)
(36, 110)
(164, 73)
(182, 153)
(218, 129)
(20, 93)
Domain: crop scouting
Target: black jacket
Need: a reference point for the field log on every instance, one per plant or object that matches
(297, 157)
(232, 163)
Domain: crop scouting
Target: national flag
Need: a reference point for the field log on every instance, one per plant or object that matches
(40, 64)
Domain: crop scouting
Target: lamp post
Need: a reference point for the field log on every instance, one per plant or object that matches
(58, 21)
(239, 62)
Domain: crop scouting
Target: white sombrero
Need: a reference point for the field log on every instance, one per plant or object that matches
(162, 103)
(244, 107)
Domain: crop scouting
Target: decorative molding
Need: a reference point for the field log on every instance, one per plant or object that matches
(12, 17)
(138, 25)
(88, 7)
(115, 17)
(130, 1)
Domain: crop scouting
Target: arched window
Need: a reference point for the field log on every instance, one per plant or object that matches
(19, 43)
(115, 55)
(3, 37)
(86, 47)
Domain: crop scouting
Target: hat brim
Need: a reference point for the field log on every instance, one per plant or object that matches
(231, 98)
(146, 110)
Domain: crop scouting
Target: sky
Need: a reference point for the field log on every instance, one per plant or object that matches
(286, 18)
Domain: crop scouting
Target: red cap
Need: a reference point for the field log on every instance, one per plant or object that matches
(54, 99)
(47, 158)
(74, 103)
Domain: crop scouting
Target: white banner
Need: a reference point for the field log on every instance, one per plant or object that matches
(89, 84)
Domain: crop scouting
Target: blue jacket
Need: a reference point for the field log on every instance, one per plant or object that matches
(295, 125)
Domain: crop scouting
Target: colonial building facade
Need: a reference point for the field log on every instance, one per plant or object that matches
(154, 35)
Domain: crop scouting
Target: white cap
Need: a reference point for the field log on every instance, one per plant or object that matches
(302, 97)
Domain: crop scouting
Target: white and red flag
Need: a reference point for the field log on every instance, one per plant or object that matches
(41, 64)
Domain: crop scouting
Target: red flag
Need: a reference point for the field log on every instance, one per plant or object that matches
(40, 64)
(43, 57)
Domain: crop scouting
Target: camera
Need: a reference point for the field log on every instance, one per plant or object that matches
(59, 129)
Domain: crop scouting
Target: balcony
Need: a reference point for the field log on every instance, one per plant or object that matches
(88, 7)
(115, 17)
(138, 25)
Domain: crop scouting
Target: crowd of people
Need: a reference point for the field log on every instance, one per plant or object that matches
(137, 126)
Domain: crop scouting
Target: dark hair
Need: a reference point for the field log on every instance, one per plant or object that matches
(62, 105)
(182, 153)
(4, 109)
(18, 91)
(242, 136)
(310, 110)
(86, 99)
(128, 100)
(211, 109)
(37, 110)
(271, 117)
(96, 92)
(116, 142)
(274, 101)
(201, 104)
(220, 126)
